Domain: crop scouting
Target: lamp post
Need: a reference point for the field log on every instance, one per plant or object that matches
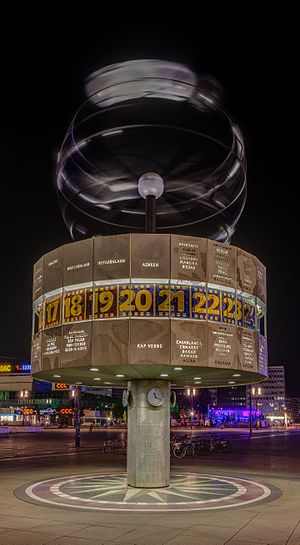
(191, 392)
(255, 393)
(250, 411)
(77, 415)
(23, 394)
(150, 187)
(210, 409)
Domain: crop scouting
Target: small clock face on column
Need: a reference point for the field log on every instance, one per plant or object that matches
(155, 397)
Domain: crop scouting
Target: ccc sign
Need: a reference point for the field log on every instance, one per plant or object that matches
(61, 386)
(27, 411)
(66, 411)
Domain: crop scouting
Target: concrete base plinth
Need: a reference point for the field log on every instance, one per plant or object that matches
(148, 443)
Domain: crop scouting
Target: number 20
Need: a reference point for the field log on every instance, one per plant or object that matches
(141, 301)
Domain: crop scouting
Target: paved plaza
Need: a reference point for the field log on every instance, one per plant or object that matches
(52, 494)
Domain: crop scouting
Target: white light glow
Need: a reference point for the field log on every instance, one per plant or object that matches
(112, 132)
(151, 184)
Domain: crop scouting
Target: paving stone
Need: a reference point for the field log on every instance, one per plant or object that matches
(26, 538)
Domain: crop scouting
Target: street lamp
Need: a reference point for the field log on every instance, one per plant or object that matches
(191, 392)
(77, 414)
(23, 394)
(255, 393)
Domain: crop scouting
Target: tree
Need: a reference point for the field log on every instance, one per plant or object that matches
(204, 399)
(118, 409)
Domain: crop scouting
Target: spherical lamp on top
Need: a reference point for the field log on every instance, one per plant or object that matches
(150, 187)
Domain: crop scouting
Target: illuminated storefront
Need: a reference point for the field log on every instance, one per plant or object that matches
(235, 417)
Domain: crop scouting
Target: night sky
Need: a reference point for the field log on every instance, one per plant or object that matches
(42, 86)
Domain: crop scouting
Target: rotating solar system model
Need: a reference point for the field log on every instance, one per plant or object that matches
(139, 300)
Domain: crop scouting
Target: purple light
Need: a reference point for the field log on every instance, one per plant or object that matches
(236, 412)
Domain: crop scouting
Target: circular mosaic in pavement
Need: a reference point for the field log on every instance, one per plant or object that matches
(187, 491)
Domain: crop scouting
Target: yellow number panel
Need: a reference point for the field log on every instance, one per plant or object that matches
(75, 305)
(249, 314)
(214, 298)
(199, 302)
(126, 300)
(143, 301)
(53, 311)
(106, 302)
(40, 314)
(162, 300)
(228, 306)
(179, 301)
(239, 310)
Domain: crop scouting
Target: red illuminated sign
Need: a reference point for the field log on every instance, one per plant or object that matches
(66, 411)
(28, 411)
(61, 386)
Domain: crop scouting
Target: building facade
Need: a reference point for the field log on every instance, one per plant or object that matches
(268, 400)
(271, 396)
(26, 401)
(293, 408)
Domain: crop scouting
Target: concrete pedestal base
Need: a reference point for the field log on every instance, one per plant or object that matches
(148, 443)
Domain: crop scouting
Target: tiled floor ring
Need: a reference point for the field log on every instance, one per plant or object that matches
(187, 492)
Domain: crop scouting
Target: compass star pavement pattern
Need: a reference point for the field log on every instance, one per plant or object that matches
(187, 491)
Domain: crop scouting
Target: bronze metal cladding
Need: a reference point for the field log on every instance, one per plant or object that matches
(247, 346)
(246, 272)
(111, 257)
(76, 348)
(221, 264)
(51, 348)
(38, 286)
(150, 256)
(149, 342)
(222, 346)
(188, 258)
(261, 282)
(262, 355)
(36, 353)
(188, 343)
(110, 342)
(78, 262)
(53, 262)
